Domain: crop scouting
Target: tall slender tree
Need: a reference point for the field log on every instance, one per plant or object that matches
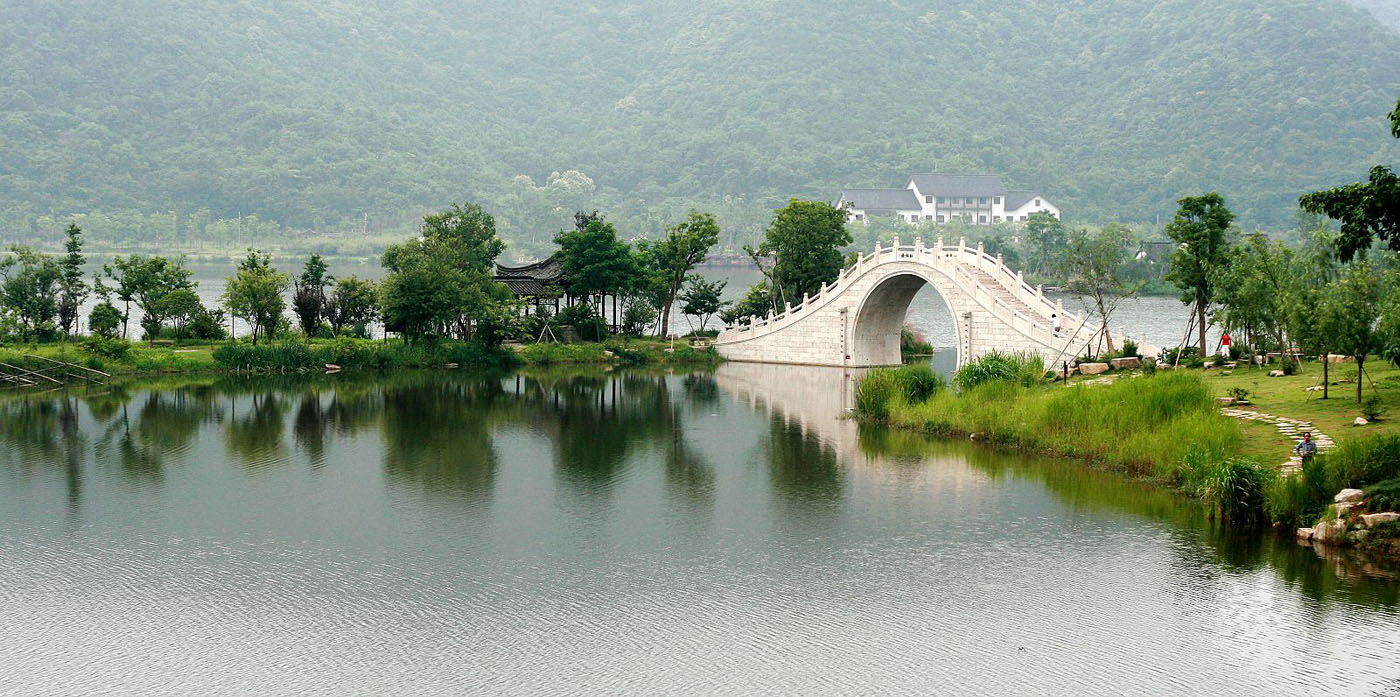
(73, 289)
(1201, 228)
(684, 247)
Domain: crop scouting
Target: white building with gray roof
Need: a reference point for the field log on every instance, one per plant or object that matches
(981, 199)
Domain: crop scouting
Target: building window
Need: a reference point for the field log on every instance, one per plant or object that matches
(940, 219)
(996, 200)
(913, 218)
(957, 200)
(1037, 202)
(981, 218)
(1023, 218)
(928, 217)
(983, 201)
(859, 216)
(996, 219)
(928, 199)
(942, 200)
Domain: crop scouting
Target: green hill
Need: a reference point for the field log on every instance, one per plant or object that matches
(339, 115)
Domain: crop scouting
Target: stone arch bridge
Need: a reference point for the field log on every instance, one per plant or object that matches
(856, 321)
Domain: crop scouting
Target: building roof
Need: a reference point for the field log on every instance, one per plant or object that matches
(881, 199)
(1016, 199)
(532, 279)
(959, 184)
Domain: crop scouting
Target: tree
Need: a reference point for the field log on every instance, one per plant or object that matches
(1201, 228)
(104, 320)
(442, 283)
(1258, 289)
(1367, 210)
(72, 289)
(353, 303)
(1348, 316)
(684, 247)
(180, 307)
(595, 260)
(1044, 237)
(30, 284)
(756, 302)
(1091, 265)
(254, 293)
(147, 280)
(309, 298)
(805, 238)
(702, 299)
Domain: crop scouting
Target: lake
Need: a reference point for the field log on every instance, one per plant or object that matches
(587, 532)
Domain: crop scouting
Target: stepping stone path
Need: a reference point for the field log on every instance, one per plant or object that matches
(1292, 428)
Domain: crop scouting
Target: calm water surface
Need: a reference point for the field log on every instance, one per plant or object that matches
(724, 532)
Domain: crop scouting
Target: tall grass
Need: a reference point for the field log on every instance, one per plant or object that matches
(356, 353)
(882, 387)
(1024, 369)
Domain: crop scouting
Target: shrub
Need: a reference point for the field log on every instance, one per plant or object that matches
(104, 320)
(912, 344)
(585, 320)
(1357, 463)
(1130, 348)
(108, 348)
(1240, 394)
(1023, 369)
(1290, 367)
(1384, 496)
(1372, 408)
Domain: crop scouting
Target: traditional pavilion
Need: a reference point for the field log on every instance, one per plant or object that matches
(537, 283)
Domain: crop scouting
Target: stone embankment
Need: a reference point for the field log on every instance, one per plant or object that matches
(1346, 521)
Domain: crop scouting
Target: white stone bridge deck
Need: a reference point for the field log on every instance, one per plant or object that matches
(856, 321)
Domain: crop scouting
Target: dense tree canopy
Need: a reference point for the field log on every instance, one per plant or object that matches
(805, 241)
(1201, 228)
(164, 120)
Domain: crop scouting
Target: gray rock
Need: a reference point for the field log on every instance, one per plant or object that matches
(1349, 496)
(1329, 531)
(1275, 373)
(1093, 368)
(1305, 534)
(1125, 363)
(1360, 421)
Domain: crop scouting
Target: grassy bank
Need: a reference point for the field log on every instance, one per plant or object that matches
(126, 358)
(1165, 427)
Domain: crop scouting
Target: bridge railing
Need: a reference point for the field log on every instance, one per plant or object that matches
(953, 261)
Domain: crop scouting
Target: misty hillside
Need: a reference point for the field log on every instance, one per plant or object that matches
(1387, 11)
(317, 112)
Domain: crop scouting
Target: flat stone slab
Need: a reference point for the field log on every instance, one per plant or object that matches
(1374, 519)
(1349, 496)
(1093, 368)
(1125, 363)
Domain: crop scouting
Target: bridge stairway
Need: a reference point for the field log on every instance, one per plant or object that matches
(1005, 294)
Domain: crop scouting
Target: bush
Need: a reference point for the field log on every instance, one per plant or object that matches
(1384, 496)
(1130, 348)
(104, 320)
(912, 344)
(1024, 369)
(1372, 408)
(1239, 394)
(1175, 356)
(1357, 463)
(108, 348)
(585, 320)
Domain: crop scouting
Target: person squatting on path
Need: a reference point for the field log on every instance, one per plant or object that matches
(1305, 448)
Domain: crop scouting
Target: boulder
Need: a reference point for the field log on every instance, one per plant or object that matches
(1329, 531)
(1344, 508)
(1334, 358)
(1225, 401)
(1275, 373)
(1373, 519)
(1360, 421)
(1349, 496)
(1125, 363)
(1305, 534)
(1093, 368)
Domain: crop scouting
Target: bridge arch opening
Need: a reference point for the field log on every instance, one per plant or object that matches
(875, 331)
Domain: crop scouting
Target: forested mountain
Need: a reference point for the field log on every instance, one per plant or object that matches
(331, 115)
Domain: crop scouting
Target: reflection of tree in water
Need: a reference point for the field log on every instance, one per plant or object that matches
(802, 467)
(602, 421)
(255, 429)
(701, 390)
(40, 432)
(165, 423)
(437, 435)
(309, 427)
